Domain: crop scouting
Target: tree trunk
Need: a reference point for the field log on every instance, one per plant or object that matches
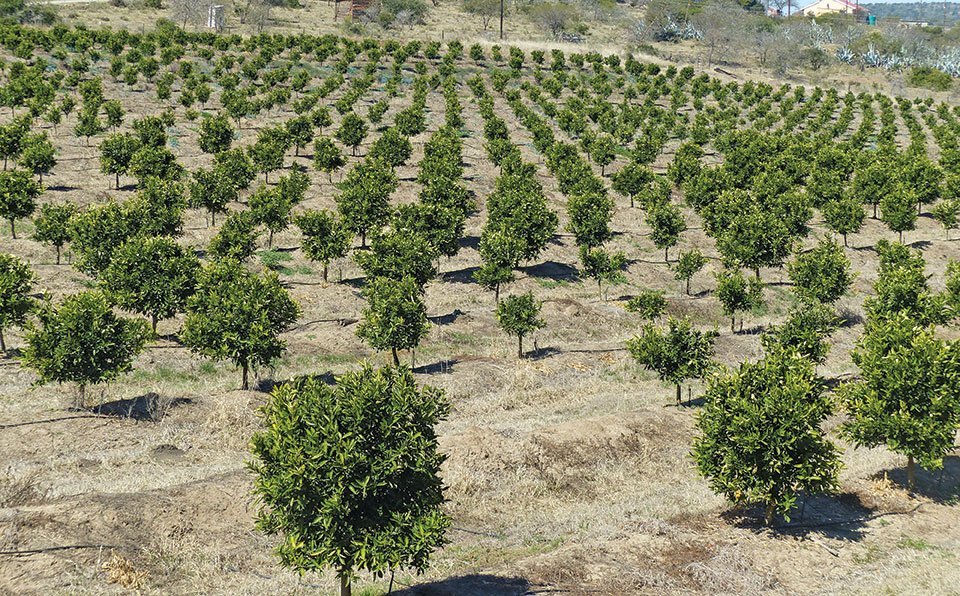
(41, 178)
(666, 255)
(82, 398)
(631, 201)
(678, 394)
(768, 514)
(3, 346)
(874, 211)
(246, 384)
(118, 180)
(213, 219)
(13, 228)
(58, 254)
(344, 586)
(270, 240)
(845, 241)
(688, 286)
(324, 273)
(732, 321)
(900, 233)
(363, 239)
(911, 473)
(153, 323)
(266, 175)
(520, 347)
(600, 289)
(396, 359)
(756, 271)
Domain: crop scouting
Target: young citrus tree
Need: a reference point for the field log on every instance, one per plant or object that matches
(908, 397)
(216, 134)
(736, 294)
(688, 265)
(679, 354)
(519, 315)
(239, 316)
(364, 200)
(52, 226)
(821, 274)
(16, 282)
(324, 238)
(18, 197)
(341, 488)
(602, 266)
(213, 191)
(761, 438)
(395, 317)
(82, 341)
(151, 276)
(237, 238)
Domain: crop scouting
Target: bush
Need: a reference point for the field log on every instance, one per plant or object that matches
(931, 78)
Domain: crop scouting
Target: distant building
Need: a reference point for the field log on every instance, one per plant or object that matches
(834, 6)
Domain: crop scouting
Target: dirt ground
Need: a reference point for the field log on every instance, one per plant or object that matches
(566, 472)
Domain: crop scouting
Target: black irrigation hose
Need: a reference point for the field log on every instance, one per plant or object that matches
(35, 551)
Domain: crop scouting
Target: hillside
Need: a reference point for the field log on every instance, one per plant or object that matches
(568, 470)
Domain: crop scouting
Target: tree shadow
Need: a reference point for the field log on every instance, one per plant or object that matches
(848, 318)
(470, 242)
(920, 244)
(470, 585)
(446, 319)
(460, 276)
(937, 485)
(149, 406)
(552, 270)
(443, 367)
(842, 516)
(61, 188)
(541, 353)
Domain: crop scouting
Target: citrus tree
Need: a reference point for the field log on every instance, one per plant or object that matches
(761, 438)
(52, 226)
(519, 315)
(16, 283)
(238, 316)
(324, 238)
(676, 355)
(341, 488)
(395, 317)
(18, 197)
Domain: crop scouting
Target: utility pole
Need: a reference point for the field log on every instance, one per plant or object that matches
(501, 19)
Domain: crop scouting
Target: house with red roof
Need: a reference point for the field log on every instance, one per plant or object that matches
(834, 6)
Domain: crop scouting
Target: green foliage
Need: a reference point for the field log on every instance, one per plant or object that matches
(518, 206)
(688, 265)
(270, 208)
(18, 197)
(805, 330)
(392, 147)
(157, 208)
(116, 152)
(238, 316)
(16, 282)
(821, 274)
(844, 216)
(761, 439)
(631, 179)
(946, 213)
(299, 131)
(82, 341)
(909, 395)
(235, 166)
(52, 226)
(343, 489)
(500, 251)
(363, 202)
(897, 210)
(666, 224)
(650, 304)
(151, 276)
(216, 134)
(736, 294)
(679, 354)
(99, 230)
(154, 162)
(686, 163)
(267, 153)
(931, 78)
(589, 214)
(327, 157)
(237, 239)
(212, 190)
(352, 131)
(754, 239)
(399, 254)
(324, 238)
(519, 315)
(901, 288)
(602, 266)
(395, 317)
(39, 155)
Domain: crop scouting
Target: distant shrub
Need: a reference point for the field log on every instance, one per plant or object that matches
(931, 78)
